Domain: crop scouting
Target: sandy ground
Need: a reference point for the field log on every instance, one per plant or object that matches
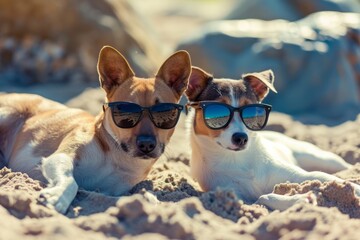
(169, 204)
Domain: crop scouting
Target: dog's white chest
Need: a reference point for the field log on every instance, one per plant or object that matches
(111, 174)
(26, 161)
(96, 173)
(246, 172)
(234, 173)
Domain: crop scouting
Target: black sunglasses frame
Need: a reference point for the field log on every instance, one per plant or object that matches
(204, 104)
(143, 109)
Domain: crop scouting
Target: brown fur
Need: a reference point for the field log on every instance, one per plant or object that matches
(101, 136)
(30, 124)
(46, 126)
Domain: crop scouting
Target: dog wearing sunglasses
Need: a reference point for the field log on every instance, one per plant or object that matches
(69, 148)
(229, 152)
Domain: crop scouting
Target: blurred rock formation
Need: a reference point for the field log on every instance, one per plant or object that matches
(316, 60)
(59, 41)
(289, 10)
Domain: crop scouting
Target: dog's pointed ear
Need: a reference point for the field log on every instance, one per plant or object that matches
(175, 72)
(198, 81)
(113, 68)
(260, 83)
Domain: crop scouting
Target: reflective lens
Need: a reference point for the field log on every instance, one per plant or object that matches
(165, 115)
(254, 117)
(216, 115)
(126, 115)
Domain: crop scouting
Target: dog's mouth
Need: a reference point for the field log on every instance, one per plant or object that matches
(145, 156)
(236, 149)
(232, 148)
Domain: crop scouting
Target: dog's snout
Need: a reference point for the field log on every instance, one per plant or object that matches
(239, 139)
(146, 143)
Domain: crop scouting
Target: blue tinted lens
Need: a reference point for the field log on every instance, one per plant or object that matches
(126, 115)
(216, 115)
(254, 117)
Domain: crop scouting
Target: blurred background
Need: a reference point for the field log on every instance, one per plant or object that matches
(313, 47)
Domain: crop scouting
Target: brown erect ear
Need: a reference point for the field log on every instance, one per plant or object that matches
(113, 68)
(175, 72)
(260, 83)
(199, 79)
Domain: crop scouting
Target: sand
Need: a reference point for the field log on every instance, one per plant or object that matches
(170, 205)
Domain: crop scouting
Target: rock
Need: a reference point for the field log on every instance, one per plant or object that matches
(289, 10)
(68, 35)
(90, 100)
(316, 60)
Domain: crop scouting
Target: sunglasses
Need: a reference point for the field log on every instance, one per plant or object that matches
(218, 115)
(128, 115)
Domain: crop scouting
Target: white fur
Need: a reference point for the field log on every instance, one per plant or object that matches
(58, 170)
(18, 164)
(108, 173)
(270, 158)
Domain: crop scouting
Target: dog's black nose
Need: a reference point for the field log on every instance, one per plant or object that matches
(239, 139)
(146, 143)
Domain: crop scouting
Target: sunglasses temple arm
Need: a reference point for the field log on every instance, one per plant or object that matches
(104, 106)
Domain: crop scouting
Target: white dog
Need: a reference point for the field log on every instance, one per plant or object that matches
(228, 152)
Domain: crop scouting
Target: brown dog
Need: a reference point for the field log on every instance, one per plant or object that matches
(69, 148)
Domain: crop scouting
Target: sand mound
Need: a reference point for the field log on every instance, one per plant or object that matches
(331, 194)
(167, 205)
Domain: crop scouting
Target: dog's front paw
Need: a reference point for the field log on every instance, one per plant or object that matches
(55, 197)
(283, 202)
